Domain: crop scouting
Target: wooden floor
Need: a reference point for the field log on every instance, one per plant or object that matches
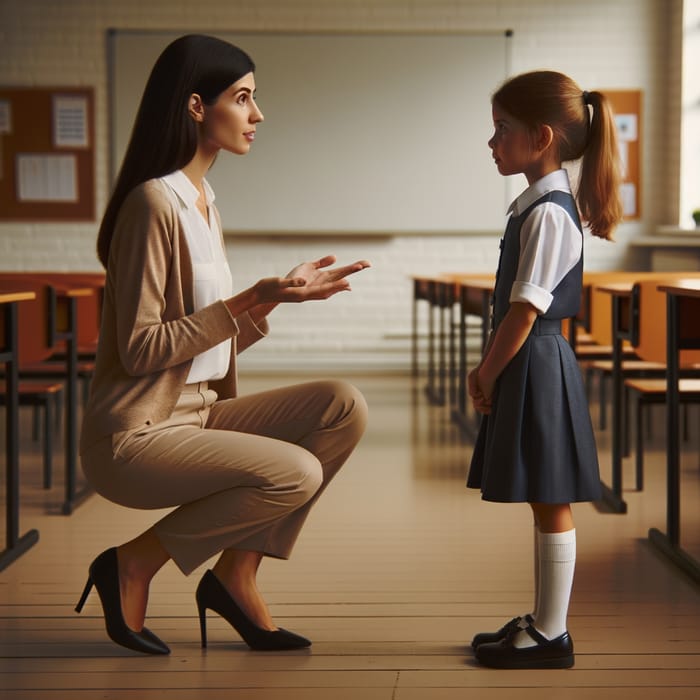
(398, 566)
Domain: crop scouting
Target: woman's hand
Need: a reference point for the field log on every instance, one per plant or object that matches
(321, 283)
(308, 281)
(305, 282)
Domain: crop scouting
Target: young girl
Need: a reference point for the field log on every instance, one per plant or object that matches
(164, 426)
(536, 441)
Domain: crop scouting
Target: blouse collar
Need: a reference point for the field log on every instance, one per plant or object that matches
(185, 189)
(557, 180)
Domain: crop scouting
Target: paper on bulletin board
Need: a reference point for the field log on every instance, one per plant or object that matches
(5, 117)
(5, 126)
(624, 152)
(47, 178)
(70, 122)
(627, 129)
(628, 192)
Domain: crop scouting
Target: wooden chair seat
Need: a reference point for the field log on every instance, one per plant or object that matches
(55, 370)
(648, 311)
(44, 397)
(648, 392)
(603, 369)
(594, 351)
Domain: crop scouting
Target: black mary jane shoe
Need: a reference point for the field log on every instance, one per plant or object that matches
(554, 653)
(104, 575)
(212, 594)
(491, 637)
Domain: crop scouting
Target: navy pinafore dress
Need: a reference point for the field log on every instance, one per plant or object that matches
(537, 444)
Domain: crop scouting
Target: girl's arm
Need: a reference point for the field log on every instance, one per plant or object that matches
(509, 337)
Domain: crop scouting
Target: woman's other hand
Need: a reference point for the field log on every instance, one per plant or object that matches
(321, 282)
(309, 281)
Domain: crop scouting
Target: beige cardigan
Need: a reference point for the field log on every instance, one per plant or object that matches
(150, 332)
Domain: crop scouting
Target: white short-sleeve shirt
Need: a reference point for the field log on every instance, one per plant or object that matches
(210, 270)
(550, 243)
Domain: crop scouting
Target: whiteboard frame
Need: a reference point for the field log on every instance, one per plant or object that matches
(449, 194)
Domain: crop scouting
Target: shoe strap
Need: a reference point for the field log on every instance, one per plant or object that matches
(535, 634)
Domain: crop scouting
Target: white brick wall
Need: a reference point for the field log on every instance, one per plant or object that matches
(614, 44)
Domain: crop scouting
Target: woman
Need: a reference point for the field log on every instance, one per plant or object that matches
(164, 425)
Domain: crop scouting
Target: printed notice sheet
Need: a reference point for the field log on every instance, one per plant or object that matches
(46, 178)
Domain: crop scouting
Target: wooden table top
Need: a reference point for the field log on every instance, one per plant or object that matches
(682, 287)
(7, 297)
(616, 288)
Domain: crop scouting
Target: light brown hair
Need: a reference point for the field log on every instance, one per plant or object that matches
(583, 127)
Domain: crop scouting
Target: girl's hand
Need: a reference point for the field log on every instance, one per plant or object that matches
(480, 398)
(486, 385)
(473, 383)
(308, 281)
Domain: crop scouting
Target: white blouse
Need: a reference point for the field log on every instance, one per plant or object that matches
(210, 270)
(550, 243)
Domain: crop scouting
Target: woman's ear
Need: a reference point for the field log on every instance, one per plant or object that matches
(195, 107)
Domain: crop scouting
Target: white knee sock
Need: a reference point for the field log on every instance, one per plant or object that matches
(536, 570)
(557, 554)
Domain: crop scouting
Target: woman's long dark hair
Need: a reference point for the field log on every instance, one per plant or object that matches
(164, 137)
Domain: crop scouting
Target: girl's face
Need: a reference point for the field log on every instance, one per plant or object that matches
(511, 144)
(517, 149)
(229, 123)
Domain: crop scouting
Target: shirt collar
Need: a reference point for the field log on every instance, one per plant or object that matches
(185, 189)
(558, 180)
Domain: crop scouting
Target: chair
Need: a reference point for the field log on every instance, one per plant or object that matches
(598, 362)
(34, 346)
(649, 340)
(46, 398)
(89, 309)
(64, 328)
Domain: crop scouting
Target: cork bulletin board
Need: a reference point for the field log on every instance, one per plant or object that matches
(627, 106)
(47, 156)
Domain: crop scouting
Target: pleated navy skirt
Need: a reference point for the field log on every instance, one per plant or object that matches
(537, 444)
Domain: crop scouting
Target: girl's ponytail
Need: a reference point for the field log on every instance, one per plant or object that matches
(598, 194)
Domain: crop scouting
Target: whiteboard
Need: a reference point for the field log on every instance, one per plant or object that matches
(363, 133)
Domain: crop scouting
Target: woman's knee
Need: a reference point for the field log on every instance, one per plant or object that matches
(348, 405)
(308, 476)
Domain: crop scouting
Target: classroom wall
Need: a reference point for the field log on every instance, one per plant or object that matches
(613, 44)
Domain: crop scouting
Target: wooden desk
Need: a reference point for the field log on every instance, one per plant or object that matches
(437, 290)
(682, 332)
(15, 545)
(621, 295)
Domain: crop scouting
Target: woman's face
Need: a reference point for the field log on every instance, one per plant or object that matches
(229, 123)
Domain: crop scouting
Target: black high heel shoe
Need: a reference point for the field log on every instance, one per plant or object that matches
(104, 575)
(212, 594)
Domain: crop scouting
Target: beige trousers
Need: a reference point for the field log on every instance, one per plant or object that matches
(242, 472)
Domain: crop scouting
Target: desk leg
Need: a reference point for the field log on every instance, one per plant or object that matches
(414, 331)
(442, 349)
(462, 364)
(669, 543)
(16, 545)
(435, 344)
(459, 413)
(452, 364)
(72, 497)
(613, 496)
